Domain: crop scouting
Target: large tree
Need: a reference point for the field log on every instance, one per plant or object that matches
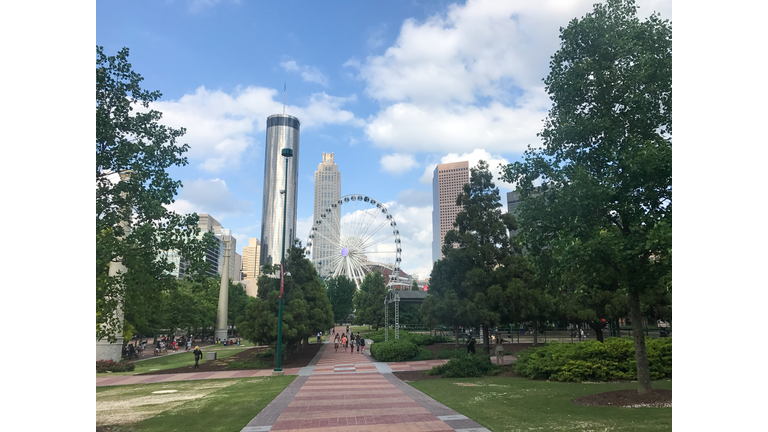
(480, 258)
(606, 160)
(369, 300)
(306, 308)
(341, 292)
(133, 224)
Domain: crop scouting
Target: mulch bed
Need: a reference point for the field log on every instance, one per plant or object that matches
(628, 399)
(296, 359)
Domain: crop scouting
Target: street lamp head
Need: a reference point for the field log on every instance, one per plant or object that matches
(287, 152)
(287, 274)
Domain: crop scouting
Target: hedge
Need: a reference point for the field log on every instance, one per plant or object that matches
(466, 366)
(394, 350)
(594, 361)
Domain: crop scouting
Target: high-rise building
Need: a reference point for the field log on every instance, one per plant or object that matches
(282, 132)
(236, 266)
(327, 194)
(447, 182)
(215, 255)
(251, 255)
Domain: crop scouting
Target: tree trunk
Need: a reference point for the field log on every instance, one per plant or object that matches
(618, 328)
(456, 332)
(535, 332)
(306, 342)
(641, 357)
(486, 339)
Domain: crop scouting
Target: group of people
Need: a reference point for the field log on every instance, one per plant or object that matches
(228, 342)
(348, 340)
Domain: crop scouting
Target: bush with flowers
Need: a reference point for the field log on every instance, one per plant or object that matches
(113, 366)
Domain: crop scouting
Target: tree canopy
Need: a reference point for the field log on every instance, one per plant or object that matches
(606, 161)
(483, 278)
(306, 308)
(133, 224)
(369, 300)
(341, 292)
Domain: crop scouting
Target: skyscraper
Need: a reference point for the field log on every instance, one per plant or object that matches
(251, 256)
(282, 132)
(327, 193)
(447, 182)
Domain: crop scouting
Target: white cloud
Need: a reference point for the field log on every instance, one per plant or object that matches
(397, 163)
(303, 226)
(210, 196)
(415, 225)
(308, 73)
(199, 5)
(406, 126)
(470, 77)
(221, 126)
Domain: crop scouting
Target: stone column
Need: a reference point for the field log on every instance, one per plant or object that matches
(104, 349)
(221, 316)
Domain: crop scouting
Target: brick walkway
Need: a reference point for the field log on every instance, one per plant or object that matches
(339, 391)
(345, 392)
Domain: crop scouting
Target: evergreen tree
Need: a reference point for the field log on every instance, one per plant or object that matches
(341, 292)
(369, 300)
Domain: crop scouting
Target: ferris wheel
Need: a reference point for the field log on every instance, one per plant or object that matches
(353, 235)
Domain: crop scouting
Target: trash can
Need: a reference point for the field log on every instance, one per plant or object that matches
(210, 356)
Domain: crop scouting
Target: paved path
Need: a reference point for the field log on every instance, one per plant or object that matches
(339, 391)
(346, 392)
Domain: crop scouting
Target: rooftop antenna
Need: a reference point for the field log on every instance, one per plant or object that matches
(284, 87)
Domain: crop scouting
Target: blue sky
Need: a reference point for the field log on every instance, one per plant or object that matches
(392, 88)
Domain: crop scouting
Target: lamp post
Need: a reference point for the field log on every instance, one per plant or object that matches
(286, 153)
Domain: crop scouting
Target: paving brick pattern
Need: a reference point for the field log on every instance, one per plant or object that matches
(339, 391)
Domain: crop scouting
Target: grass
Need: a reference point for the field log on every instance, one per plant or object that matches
(171, 361)
(519, 404)
(206, 405)
(361, 329)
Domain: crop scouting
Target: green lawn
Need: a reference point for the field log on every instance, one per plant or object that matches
(361, 329)
(519, 404)
(206, 405)
(171, 361)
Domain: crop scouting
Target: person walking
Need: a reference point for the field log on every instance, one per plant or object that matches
(352, 344)
(198, 355)
(336, 343)
(362, 346)
(499, 351)
(319, 336)
(344, 341)
(189, 344)
(471, 345)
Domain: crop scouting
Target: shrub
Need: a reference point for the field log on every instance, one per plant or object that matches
(594, 361)
(394, 350)
(424, 354)
(415, 338)
(466, 366)
(112, 366)
(451, 353)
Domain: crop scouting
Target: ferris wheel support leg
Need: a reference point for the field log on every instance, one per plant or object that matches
(397, 316)
(386, 320)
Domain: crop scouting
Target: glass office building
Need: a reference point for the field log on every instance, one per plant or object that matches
(282, 132)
